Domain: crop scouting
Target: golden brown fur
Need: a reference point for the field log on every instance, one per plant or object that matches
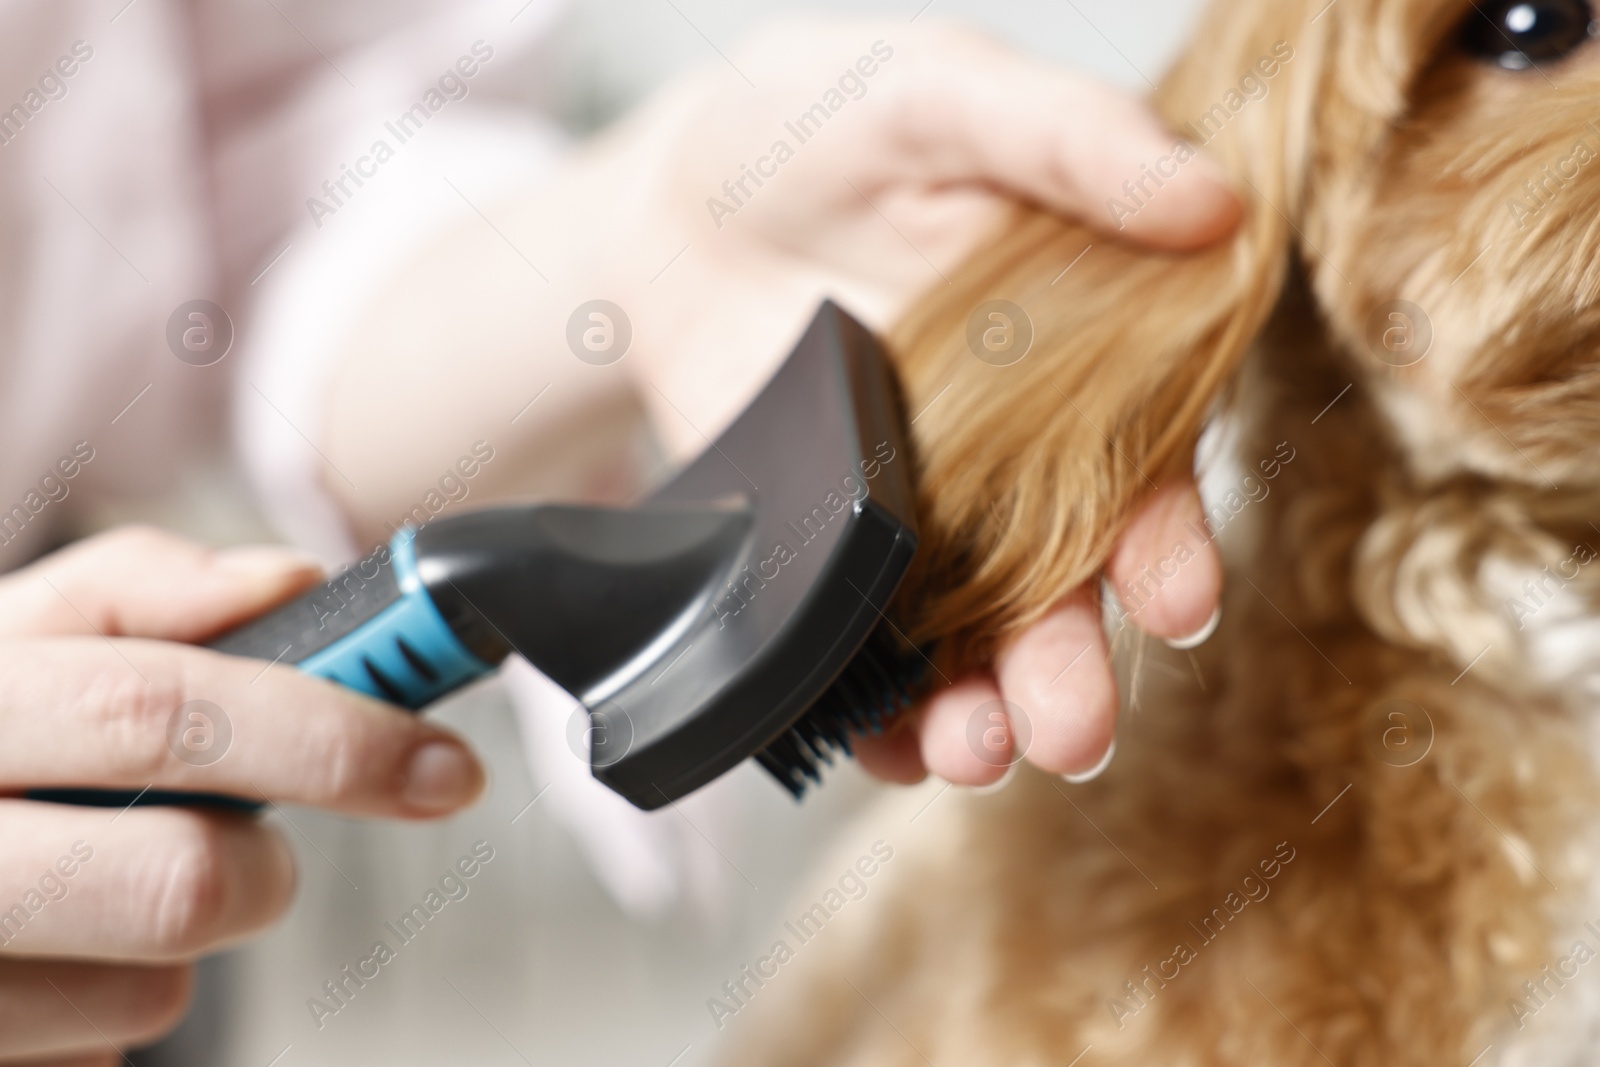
(1380, 166)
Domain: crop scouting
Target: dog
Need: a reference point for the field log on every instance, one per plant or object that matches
(1358, 825)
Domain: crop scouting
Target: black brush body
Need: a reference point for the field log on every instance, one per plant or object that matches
(739, 611)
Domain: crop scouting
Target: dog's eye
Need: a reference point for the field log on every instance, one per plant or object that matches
(1520, 33)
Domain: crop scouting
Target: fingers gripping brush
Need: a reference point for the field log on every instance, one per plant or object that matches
(737, 612)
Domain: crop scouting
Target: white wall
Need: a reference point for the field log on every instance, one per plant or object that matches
(614, 51)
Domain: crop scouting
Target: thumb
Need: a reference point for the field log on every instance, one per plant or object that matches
(137, 581)
(977, 111)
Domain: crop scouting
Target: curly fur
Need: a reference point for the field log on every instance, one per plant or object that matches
(1406, 555)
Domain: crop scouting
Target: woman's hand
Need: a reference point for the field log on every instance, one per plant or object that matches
(1058, 672)
(101, 910)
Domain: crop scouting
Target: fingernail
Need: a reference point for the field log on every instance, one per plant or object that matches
(1097, 770)
(264, 561)
(1200, 636)
(1005, 780)
(442, 776)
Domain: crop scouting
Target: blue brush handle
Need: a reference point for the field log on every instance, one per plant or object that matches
(406, 654)
(373, 628)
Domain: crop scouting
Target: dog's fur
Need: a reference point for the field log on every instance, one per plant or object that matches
(1408, 904)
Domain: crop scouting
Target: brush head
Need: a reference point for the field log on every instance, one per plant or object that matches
(721, 617)
(873, 688)
(821, 455)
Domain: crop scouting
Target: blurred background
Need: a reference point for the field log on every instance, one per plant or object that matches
(560, 954)
(611, 53)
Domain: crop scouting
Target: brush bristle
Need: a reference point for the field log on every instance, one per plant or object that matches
(874, 687)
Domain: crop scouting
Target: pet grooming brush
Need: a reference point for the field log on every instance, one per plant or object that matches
(737, 612)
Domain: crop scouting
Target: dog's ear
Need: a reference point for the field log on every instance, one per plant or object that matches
(1029, 469)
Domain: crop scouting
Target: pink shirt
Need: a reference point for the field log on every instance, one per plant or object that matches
(170, 151)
